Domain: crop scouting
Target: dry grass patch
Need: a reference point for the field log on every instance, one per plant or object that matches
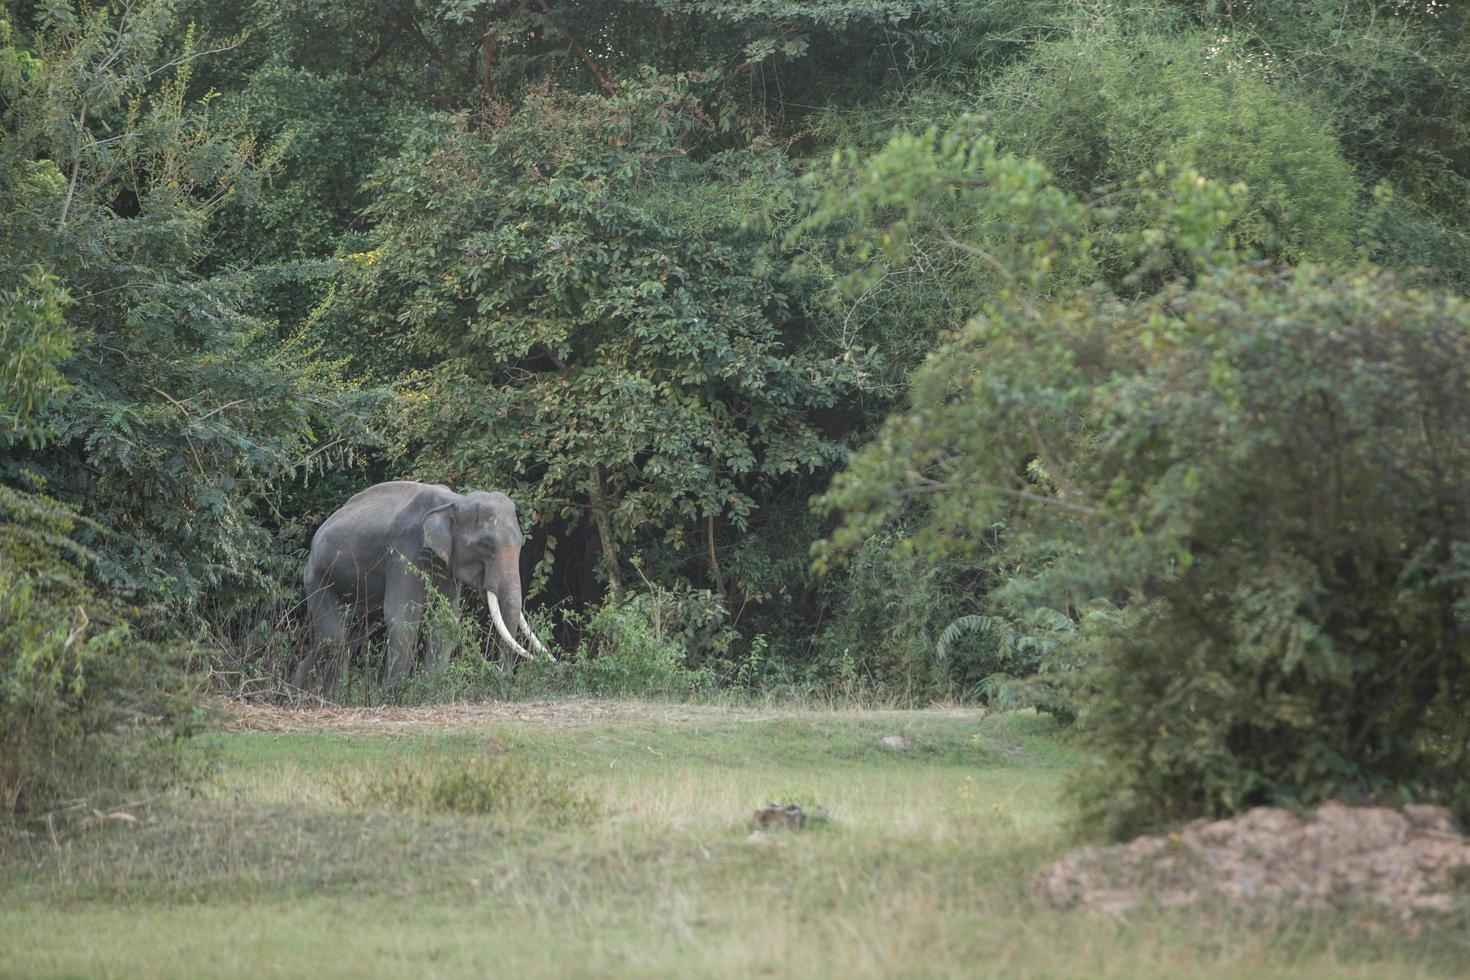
(242, 716)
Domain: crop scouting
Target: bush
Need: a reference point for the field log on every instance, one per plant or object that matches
(87, 707)
(1246, 489)
(1266, 474)
(890, 612)
(1288, 464)
(634, 649)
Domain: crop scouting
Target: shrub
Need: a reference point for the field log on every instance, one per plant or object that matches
(1288, 464)
(633, 649)
(890, 612)
(1246, 488)
(86, 706)
(184, 411)
(1266, 472)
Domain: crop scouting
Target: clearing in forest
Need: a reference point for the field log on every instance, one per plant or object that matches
(580, 838)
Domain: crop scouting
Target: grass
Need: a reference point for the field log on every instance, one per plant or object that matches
(270, 869)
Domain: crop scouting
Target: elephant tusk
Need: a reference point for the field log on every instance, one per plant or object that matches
(536, 643)
(500, 625)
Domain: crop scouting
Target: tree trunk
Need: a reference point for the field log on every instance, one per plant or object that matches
(490, 46)
(714, 560)
(597, 496)
(487, 56)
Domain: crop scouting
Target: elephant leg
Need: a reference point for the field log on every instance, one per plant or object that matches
(328, 621)
(438, 651)
(403, 608)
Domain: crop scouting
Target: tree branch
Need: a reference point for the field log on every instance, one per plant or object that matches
(969, 249)
(597, 497)
(744, 67)
(1057, 502)
(490, 45)
(76, 167)
(581, 52)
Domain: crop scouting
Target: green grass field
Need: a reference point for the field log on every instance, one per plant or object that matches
(270, 867)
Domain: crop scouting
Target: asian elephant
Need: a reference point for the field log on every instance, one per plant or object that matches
(376, 553)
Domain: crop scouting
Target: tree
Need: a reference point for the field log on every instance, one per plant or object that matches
(595, 323)
(180, 411)
(82, 699)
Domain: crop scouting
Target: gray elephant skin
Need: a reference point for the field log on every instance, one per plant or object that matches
(380, 552)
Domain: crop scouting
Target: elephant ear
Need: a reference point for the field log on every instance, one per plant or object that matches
(438, 535)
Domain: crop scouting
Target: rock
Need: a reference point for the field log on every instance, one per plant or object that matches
(779, 815)
(1402, 860)
(788, 815)
(895, 742)
(1431, 819)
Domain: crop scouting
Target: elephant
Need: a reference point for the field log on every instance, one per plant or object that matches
(382, 550)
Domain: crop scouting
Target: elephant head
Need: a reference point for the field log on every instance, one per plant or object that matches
(479, 539)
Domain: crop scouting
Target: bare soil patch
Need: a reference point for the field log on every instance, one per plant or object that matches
(1407, 861)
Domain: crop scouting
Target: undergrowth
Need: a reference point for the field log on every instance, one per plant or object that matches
(509, 788)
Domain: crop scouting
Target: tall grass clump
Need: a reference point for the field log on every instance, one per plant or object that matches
(505, 787)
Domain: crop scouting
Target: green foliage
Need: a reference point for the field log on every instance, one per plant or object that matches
(505, 787)
(888, 615)
(1396, 95)
(1100, 110)
(1298, 539)
(182, 413)
(1395, 98)
(326, 135)
(1264, 469)
(473, 674)
(952, 184)
(33, 343)
(1031, 235)
(594, 324)
(462, 54)
(1232, 537)
(635, 649)
(86, 706)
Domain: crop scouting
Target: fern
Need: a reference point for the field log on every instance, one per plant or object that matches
(973, 623)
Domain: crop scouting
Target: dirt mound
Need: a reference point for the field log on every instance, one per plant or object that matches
(1404, 860)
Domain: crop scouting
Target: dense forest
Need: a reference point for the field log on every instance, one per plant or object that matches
(1107, 358)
